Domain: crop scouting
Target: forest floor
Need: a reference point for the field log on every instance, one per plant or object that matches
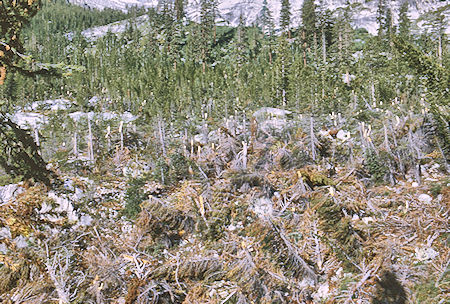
(273, 211)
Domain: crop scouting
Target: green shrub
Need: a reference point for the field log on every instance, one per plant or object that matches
(375, 165)
(7, 179)
(134, 196)
(171, 171)
(160, 172)
(179, 167)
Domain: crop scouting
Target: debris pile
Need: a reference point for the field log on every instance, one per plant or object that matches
(255, 214)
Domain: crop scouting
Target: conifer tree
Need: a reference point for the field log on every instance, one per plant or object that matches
(19, 154)
(436, 79)
(384, 19)
(285, 15)
(179, 9)
(281, 70)
(265, 19)
(309, 19)
(404, 24)
(14, 15)
(436, 22)
(167, 12)
(208, 16)
(325, 23)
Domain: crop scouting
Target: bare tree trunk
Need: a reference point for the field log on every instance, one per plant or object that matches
(36, 137)
(340, 46)
(121, 135)
(313, 139)
(372, 89)
(440, 49)
(90, 142)
(75, 144)
(315, 44)
(108, 137)
(244, 155)
(324, 47)
(162, 136)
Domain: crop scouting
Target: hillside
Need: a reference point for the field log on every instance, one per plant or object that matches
(246, 216)
(146, 157)
(230, 11)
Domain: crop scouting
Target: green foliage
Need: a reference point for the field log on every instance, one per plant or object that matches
(428, 292)
(7, 180)
(438, 187)
(404, 24)
(19, 154)
(285, 15)
(160, 171)
(341, 235)
(134, 196)
(376, 166)
(173, 170)
(436, 78)
(265, 19)
(179, 167)
(309, 19)
(179, 69)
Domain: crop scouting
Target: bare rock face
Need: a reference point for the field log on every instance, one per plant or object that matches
(9, 192)
(231, 11)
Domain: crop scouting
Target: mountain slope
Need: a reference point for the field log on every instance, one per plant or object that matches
(230, 11)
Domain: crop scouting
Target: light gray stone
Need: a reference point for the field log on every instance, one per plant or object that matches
(425, 198)
(9, 192)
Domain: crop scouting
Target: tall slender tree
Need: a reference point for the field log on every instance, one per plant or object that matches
(179, 9)
(208, 15)
(309, 19)
(404, 24)
(436, 23)
(265, 19)
(285, 15)
(384, 19)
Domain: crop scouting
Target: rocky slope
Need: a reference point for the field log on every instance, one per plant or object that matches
(284, 208)
(230, 11)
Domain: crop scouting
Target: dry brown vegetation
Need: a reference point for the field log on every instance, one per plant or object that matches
(250, 219)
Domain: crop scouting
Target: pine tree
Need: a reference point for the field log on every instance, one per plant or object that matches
(167, 12)
(15, 15)
(325, 23)
(179, 9)
(436, 22)
(309, 19)
(19, 154)
(208, 16)
(404, 24)
(281, 70)
(436, 79)
(285, 15)
(265, 19)
(381, 16)
(384, 19)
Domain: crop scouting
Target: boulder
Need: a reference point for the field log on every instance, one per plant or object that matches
(425, 198)
(343, 135)
(272, 121)
(64, 205)
(266, 113)
(425, 254)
